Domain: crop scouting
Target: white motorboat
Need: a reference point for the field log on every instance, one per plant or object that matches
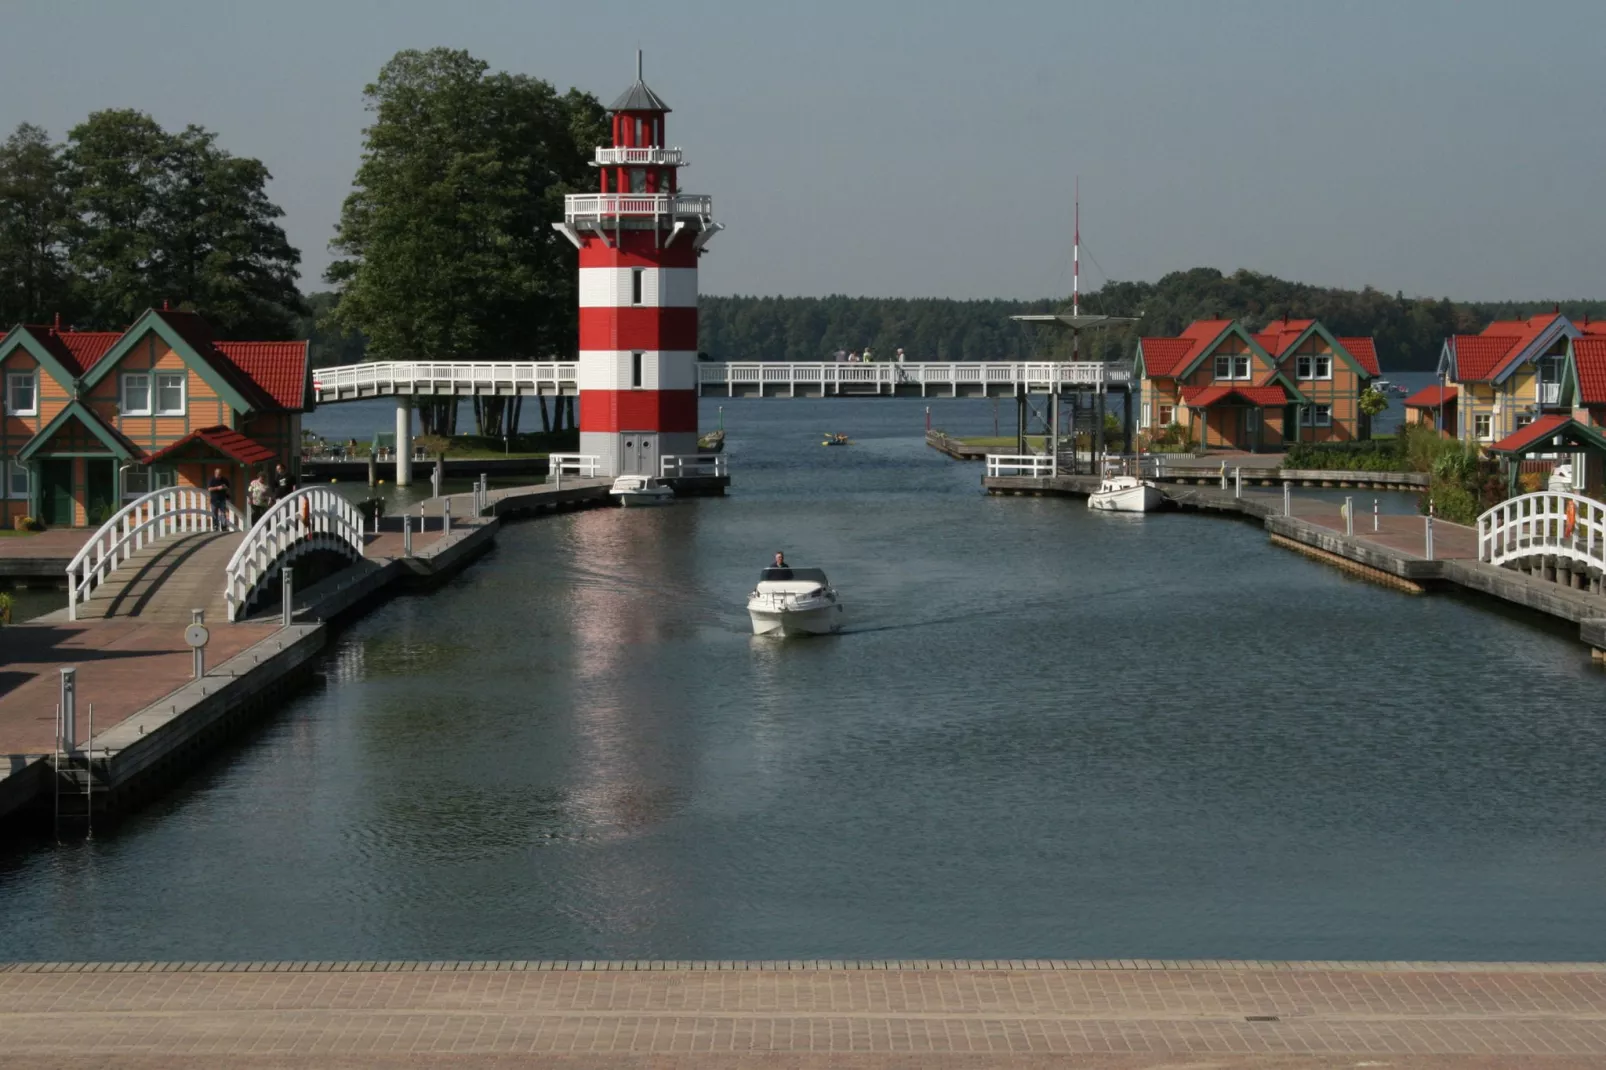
(794, 601)
(1126, 494)
(641, 490)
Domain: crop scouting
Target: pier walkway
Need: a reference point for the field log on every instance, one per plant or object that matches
(805, 1015)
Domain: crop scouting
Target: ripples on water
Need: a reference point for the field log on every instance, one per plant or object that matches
(1045, 733)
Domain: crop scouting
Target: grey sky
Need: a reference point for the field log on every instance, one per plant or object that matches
(1433, 146)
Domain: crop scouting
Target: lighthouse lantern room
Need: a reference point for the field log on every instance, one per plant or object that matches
(639, 240)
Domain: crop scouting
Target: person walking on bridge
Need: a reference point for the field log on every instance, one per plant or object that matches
(219, 491)
(282, 485)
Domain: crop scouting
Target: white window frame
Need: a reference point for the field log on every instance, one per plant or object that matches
(1147, 409)
(1303, 367)
(8, 489)
(1324, 366)
(162, 477)
(32, 379)
(122, 397)
(1237, 365)
(1320, 415)
(1161, 414)
(1483, 426)
(156, 393)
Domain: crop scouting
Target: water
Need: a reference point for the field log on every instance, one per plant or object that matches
(1047, 733)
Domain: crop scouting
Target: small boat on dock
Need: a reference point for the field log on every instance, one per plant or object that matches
(641, 490)
(794, 601)
(1126, 494)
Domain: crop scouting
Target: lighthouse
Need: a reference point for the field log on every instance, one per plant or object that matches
(639, 238)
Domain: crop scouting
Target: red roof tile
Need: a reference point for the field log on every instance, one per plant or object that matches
(1544, 427)
(1430, 397)
(1478, 355)
(1364, 350)
(1592, 326)
(1589, 357)
(1164, 358)
(279, 368)
(1278, 335)
(230, 443)
(1201, 397)
(1524, 331)
(87, 347)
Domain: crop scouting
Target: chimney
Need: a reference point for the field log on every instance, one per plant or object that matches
(56, 328)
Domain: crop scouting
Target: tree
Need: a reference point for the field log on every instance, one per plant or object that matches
(33, 228)
(159, 217)
(447, 240)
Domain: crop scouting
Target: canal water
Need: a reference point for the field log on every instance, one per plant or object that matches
(1046, 733)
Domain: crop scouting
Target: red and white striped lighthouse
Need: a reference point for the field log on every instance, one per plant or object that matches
(639, 239)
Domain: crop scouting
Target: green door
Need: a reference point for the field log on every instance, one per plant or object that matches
(100, 497)
(55, 491)
(1290, 422)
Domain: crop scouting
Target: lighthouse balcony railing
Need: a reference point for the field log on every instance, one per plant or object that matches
(645, 156)
(596, 207)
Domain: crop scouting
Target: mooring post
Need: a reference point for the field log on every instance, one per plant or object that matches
(436, 476)
(198, 650)
(287, 597)
(1374, 514)
(69, 709)
(407, 534)
(1427, 539)
(1223, 475)
(1349, 515)
(446, 515)
(1288, 499)
(373, 466)
(1238, 482)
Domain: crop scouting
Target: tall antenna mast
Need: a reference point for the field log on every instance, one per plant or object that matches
(638, 64)
(1076, 267)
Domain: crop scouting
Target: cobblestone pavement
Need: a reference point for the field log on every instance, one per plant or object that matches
(864, 1015)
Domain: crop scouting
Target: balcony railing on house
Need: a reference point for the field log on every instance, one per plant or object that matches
(1549, 392)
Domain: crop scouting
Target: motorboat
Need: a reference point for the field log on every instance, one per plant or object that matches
(1126, 494)
(641, 490)
(836, 440)
(794, 601)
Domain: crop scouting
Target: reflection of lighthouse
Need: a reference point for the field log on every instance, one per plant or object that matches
(639, 239)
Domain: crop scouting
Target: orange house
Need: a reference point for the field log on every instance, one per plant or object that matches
(95, 419)
(1231, 389)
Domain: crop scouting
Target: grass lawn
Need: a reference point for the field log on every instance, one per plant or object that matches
(1000, 440)
(14, 533)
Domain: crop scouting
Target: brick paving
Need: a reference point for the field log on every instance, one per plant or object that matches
(123, 666)
(1400, 533)
(61, 543)
(1114, 1014)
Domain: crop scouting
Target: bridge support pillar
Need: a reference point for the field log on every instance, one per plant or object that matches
(404, 441)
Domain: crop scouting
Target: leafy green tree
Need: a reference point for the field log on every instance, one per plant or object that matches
(447, 240)
(33, 228)
(159, 217)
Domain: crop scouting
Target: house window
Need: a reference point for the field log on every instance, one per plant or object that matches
(139, 481)
(1483, 425)
(16, 479)
(635, 369)
(1524, 419)
(1316, 367)
(1167, 415)
(1146, 414)
(170, 393)
(136, 395)
(635, 286)
(22, 394)
(1320, 415)
(1232, 367)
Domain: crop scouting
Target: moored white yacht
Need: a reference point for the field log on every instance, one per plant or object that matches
(641, 490)
(794, 601)
(1125, 494)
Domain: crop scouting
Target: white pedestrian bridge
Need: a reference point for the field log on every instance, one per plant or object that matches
(354, 382)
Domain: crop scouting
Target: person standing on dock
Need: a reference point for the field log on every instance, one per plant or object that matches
(219, 489)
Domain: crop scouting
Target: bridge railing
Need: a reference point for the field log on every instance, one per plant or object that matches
(676, 465)
(157, 515)
(312, 518)
(585, 465)
(1027, 375)
(1544, 522)
(352, 381)
(1034, 465)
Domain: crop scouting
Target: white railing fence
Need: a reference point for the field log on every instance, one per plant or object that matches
(890, 374)
(312, 518)
(157, 515)
(589, 207)
(613, 157)
(1544, 522)
(585, 465)
(692, 464)
(1034, 465)
(350, 381)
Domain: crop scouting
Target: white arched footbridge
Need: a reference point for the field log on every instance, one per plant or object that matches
(1544, 523)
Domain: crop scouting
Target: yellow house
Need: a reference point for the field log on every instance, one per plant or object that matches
(1509, 375)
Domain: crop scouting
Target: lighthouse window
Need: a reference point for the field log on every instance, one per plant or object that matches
(638, 180)
(635, 369)
(635, 286)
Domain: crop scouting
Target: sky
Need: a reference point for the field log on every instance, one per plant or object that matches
(1437, 147)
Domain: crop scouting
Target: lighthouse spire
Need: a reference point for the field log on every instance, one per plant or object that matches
(1076, 248)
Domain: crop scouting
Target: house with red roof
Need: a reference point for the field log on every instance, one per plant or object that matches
(1232, 389)
(1508, 375)
(93, 419)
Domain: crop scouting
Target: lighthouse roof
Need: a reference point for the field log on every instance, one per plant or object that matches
(639, 98)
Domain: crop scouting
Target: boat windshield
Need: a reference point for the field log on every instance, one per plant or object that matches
(813, 575)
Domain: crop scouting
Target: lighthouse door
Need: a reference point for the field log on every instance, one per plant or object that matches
(639, 456)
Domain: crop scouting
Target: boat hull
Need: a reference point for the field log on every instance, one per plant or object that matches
(639, 500)
(781, 623)
(1140, 499)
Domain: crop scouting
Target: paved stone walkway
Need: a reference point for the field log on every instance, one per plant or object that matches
(764, 1014)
